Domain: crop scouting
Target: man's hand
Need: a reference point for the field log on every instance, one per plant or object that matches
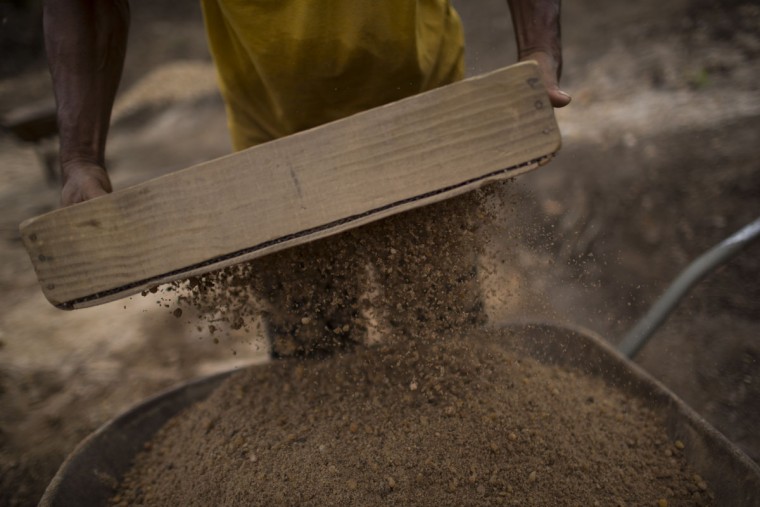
(83, 181)
(549, 67)
(537, 31)
(85, 41)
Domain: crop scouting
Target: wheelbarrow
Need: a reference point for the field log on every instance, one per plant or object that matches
(92, 471)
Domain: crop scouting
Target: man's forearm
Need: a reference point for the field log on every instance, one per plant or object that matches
(537, 30)
(85, 41)
(537, 27)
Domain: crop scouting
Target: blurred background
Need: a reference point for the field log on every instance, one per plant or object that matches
(659, 163)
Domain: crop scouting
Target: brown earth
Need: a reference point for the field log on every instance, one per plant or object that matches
(659, 163)
(428, 421)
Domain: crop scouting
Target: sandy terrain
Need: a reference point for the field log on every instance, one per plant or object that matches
(659, 163)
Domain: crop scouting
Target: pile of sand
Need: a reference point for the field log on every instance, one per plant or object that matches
(424, 422)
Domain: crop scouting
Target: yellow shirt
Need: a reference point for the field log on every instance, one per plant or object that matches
(288, 65)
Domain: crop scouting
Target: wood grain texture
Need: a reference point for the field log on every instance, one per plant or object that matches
(296, 189)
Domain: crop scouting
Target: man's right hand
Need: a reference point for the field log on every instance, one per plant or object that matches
(85, 41)
(83, 181)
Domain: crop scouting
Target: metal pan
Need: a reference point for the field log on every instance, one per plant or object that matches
(92, 471)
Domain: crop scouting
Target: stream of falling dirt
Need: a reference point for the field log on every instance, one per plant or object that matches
(413, 274)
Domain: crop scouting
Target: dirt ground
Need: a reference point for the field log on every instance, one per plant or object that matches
(659, 162)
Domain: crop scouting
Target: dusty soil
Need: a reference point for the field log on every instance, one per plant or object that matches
(407, 275)
(428, 421)
(659, 163)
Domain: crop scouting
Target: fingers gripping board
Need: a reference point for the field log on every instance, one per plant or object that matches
(306, 186)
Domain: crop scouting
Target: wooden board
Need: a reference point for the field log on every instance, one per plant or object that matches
(296, 189)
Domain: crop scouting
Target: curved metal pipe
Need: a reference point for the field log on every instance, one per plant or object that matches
(637, 337)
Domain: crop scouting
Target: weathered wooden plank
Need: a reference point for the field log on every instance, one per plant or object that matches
(286, 192)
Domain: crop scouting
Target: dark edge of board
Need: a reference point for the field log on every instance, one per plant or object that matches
(70, 305)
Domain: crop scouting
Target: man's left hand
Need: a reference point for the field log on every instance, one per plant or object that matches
(549, 68)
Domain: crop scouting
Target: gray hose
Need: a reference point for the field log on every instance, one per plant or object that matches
(637, 337)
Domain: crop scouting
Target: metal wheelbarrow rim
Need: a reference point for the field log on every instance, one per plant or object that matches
(92, 471)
